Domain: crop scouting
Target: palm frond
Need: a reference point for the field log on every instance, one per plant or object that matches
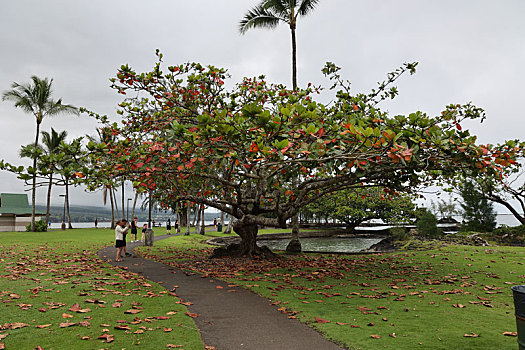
(259, 17)
(52, 141)
(282, 8)
(307, 6)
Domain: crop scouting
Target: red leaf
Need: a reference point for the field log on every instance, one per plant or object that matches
(321, 320)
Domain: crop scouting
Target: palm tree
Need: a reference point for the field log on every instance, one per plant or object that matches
(104, 136)
(269, 13)
(52, 142)
(36, 99)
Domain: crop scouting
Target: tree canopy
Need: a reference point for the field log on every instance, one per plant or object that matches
(186, 136)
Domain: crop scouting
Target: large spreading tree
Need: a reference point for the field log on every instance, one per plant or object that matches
(186, 137)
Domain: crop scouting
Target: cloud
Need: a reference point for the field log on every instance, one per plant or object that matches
(468, 51)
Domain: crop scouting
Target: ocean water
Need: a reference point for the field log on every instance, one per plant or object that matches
(502, 219)
(58, 225)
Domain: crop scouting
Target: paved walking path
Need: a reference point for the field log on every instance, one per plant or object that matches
(231, 318)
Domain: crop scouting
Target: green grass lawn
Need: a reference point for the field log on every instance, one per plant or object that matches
(56, 294)
(453, 297)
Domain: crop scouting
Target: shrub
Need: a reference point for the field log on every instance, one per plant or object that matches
(40, 226)
(507, 230)
(427, 225)
(399, 233)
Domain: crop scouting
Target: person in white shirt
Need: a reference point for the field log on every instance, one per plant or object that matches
(120, 242)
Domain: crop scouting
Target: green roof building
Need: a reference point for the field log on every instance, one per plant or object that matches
(15, 212)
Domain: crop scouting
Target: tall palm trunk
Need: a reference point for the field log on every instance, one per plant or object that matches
(230, 225)
(134, 204)
(188, 215)
(123, 207)
(49, 197)
(112, 207)
(67, 205)
(33, 194)
(116, 200)
(150, 205)
(203, 225)
(197, 219)
(294, 58)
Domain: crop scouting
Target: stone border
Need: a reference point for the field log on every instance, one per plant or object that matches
(384, 246)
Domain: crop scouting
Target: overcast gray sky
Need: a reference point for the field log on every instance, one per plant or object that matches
(468, 50)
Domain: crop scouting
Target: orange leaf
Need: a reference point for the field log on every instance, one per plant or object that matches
(471, 335)
(321, 320)
(510, 334)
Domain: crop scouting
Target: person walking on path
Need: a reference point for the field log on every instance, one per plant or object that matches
(215, 223)
(168, 227)
(96, 223)
(177, 226)
(134, 229)
(120, 238)
(144, 228)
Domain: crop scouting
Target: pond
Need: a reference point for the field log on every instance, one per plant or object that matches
(325, 244)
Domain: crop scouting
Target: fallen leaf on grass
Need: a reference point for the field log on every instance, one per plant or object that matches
(107, 337)
(15, 325)
(461, 306)
(192, 315)
(393, 335)
(375, 336)
(67, 324)
(341, 323)
(77, 308)
(2, 346)
(167, 329)
(510, 334)
(2, 336)
(173, 346)
(116, 305)
(321, 320)
(132, 311)
(471, 335)
(64, 315)
(123, 327)
(42, 326)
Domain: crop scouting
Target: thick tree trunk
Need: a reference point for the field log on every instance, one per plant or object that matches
(248, 245)
(248, 234)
